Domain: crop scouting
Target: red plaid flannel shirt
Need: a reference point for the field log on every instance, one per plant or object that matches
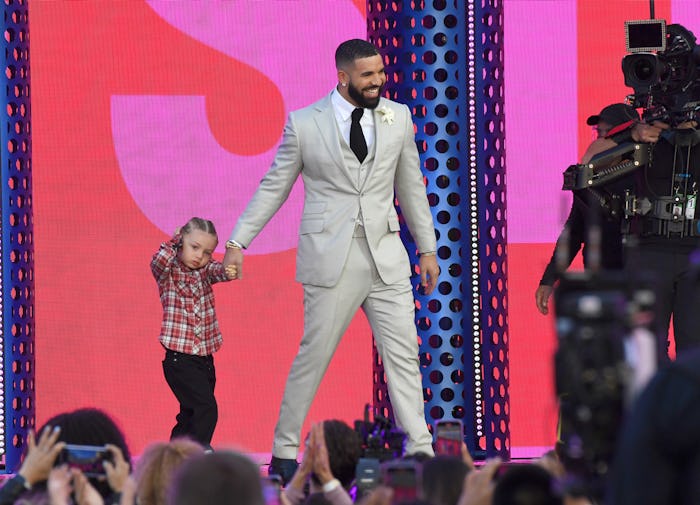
(189, 319)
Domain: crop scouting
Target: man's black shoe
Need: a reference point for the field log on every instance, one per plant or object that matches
(285, 468)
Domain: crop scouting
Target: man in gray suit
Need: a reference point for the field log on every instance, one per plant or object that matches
(350, 254)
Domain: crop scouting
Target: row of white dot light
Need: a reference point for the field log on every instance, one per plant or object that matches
(473, 220)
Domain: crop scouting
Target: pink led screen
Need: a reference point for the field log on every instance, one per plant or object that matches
(147, 113)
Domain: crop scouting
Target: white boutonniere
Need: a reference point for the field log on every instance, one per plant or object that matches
(387, 114)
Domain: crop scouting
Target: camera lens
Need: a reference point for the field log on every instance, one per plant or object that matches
(644, 71)
(641, 70)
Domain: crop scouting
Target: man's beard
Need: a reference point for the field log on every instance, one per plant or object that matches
(362, 101)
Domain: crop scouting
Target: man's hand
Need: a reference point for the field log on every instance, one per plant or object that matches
(429, 271)
(234, 256)
(643, 132)
(542, 298)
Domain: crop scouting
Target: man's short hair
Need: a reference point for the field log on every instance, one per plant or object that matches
(352, 50)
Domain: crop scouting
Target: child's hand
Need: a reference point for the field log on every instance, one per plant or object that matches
(232, 272)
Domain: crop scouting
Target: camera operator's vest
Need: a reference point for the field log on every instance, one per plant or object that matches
(667, 189)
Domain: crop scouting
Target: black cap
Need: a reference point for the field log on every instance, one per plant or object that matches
(615, 115)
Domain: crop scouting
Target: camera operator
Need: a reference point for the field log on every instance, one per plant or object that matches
(662, 232)
(590, 223)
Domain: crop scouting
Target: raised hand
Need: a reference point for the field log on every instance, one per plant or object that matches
(117, 470)
(41, 455)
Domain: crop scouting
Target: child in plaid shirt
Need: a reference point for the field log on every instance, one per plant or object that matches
(184, 270)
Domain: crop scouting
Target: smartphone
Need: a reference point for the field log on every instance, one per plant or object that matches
(367, 476)
(88, 459)
(449, 436)
(403, 476)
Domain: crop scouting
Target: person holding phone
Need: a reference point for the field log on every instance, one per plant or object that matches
(86, 427)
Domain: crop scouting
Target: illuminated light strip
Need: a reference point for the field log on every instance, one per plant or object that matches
(474, 219)
(3, 442)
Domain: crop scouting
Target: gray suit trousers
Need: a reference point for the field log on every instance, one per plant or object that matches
(327, 314)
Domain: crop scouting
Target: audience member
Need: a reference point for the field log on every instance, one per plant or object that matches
(218, 478)
(442, 479)
(80, 427)
(90, 426)
(658, 451)
(36, 465)
(316, 461)
(157, 465)
(344, 448)
(479, 484)
(526, 484)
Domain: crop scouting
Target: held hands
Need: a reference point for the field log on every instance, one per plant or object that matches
(231, 271)
(429, 271)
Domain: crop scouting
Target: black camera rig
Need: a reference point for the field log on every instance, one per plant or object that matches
(662, 69)
(606, 167)
(381, 440)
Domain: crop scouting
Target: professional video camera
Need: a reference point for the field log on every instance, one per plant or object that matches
(607, 352)
(662, 69)
(381, 440)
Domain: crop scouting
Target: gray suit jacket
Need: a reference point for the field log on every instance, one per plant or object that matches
(333, 200)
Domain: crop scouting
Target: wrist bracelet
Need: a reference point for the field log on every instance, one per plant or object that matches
(428, 253)
(331, 485)
(232, 244)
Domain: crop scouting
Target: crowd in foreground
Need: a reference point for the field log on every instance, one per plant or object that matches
(657, 462)
(183, 472)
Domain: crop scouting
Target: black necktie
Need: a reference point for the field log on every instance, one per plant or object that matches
(357, 138)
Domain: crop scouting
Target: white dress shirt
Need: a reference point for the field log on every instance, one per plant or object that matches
(343, 116)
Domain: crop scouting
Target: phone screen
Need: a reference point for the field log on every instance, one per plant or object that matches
(403, 478)
(367, 475)
(88, 459)
(448, 438)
